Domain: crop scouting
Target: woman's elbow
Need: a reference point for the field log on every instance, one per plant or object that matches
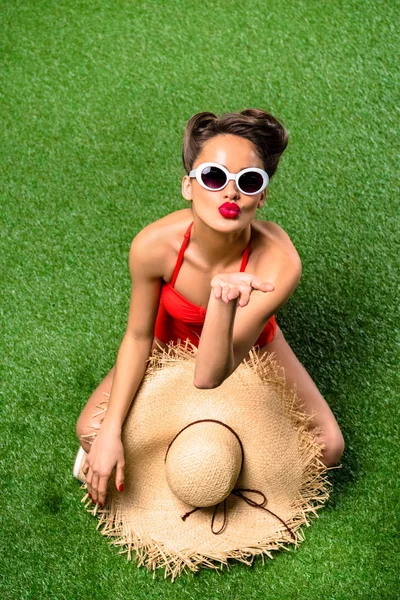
(205, 384)
(209, 379)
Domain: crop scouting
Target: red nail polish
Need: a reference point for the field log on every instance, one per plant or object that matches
(93, 501)
(90, 496)
(101, 504)
(121, 488)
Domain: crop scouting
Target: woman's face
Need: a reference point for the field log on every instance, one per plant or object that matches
(235, 153)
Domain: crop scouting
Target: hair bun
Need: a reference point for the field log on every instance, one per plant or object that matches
(201, 121)
(254, 124)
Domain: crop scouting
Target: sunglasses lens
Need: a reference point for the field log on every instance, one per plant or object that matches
(251, 182)
(213, 177)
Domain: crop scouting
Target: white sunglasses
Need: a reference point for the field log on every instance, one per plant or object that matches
(215, 177)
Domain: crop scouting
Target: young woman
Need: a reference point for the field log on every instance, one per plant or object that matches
(211, 273)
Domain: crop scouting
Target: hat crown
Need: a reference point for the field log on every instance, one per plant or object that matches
(203, 463)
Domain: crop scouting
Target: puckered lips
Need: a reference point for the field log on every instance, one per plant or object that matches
(229, 210)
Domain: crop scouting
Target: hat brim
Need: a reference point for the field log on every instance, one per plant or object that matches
(281, 460)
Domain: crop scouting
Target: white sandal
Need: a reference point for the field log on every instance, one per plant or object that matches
(79, 462)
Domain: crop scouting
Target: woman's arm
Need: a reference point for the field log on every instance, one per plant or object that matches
(137, 342)
(107, 451)
(233, 325)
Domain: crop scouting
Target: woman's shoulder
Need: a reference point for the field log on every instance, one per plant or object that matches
(158, 242)
(272, 238)
(164, 230)
(272, 233)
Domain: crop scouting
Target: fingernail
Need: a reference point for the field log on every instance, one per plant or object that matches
(90, 496)
(121, 488)
(101, 504)
(93, 501)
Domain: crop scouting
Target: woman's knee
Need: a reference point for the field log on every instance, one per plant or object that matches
(94, 410)
(91, 418)
(85, 426)
(334, 445)
(86, 431)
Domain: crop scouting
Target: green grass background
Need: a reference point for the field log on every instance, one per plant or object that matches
(94, 98)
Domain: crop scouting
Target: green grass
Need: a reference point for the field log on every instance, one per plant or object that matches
(94, 99)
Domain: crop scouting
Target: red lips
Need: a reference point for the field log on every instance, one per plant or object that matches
(229, 210)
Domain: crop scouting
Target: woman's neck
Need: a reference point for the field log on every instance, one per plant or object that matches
(217, 247)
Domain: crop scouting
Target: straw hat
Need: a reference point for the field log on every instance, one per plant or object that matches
(213, 474)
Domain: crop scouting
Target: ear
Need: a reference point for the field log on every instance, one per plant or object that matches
(261, 201)
(187, 188)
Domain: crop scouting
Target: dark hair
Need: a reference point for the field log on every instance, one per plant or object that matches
(267, 134)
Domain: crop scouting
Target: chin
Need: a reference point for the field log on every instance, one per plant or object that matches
(222, 224)
(237, 224)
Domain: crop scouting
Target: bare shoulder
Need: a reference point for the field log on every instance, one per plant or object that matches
(272, 242)
(274, 236)
(156, 245)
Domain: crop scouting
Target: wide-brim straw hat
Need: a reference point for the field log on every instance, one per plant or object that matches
(213, 474)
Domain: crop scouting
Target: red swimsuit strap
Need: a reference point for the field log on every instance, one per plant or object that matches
(245, 257)
(182, 252)
(180, 255)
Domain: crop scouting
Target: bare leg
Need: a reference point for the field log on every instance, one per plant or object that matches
(331, 437)
(92, 415)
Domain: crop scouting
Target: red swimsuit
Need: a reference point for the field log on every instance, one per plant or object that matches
(179, 319)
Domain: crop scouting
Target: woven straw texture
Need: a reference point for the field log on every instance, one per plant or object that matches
(281, 460)
(203, 464)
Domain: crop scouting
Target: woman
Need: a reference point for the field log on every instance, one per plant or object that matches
(210, 273)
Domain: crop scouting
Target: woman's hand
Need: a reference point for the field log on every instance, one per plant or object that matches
(229, 286)
(105, 453)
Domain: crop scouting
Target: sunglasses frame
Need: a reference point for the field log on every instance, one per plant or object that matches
(229, 176)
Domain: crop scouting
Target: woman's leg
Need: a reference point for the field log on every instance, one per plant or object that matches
(331, 437)
(93, 413)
